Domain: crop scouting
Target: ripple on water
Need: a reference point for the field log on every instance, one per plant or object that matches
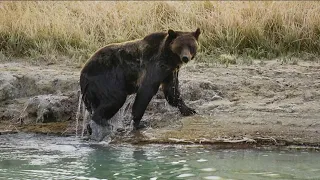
(202, 160)
(185, 169)
(185, 175)
(271, 175)
(38, 157)
(178, 162)
(160, 157)
(208, 169)
(89, 178)
(212, 177)
(265, 174)
(314, 170)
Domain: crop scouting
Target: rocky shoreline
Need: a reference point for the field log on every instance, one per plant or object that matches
(244, 105)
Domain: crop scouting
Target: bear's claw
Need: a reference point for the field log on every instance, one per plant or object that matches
(188, 111)
(141, 125)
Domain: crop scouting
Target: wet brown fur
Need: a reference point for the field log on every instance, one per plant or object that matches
(138, 66)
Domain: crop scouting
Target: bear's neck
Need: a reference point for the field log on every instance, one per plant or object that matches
(171, 58)
(167, 56)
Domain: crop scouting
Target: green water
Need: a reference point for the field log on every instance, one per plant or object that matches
(27, 156)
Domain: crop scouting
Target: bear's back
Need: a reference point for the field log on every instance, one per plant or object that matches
(108, 56)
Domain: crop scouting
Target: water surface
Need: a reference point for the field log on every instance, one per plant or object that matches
(29, 156)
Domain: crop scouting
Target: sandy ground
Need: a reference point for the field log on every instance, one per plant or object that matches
(263, 103)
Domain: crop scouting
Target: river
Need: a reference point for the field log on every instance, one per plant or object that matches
(31, 156)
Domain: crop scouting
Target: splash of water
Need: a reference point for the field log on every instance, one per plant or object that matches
(78, 113)
(99, 133)
(85, 115)
(124, 113)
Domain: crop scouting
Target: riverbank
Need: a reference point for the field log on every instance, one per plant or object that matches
(269, 103)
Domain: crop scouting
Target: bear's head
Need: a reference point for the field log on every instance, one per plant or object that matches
(184, 44)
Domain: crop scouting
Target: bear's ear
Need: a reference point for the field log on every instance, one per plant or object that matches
(172, 34)
(197, 33)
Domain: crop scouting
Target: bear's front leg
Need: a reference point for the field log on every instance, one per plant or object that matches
(149, 87)
(170, 87)
(143, 97)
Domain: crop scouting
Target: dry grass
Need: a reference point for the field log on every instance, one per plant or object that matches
(76, 29)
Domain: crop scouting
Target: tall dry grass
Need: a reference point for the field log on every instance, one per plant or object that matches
(76, 29)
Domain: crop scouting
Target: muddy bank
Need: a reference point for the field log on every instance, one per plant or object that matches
(271, 103)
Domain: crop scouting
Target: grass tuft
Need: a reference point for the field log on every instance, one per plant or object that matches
(258, 30)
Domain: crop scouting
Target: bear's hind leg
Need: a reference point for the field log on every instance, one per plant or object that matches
(110, 93)
(107, 109)
(100, 125)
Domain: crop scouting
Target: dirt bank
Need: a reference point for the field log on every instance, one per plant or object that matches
(268, 102)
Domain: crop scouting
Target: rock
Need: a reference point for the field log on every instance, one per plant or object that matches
(19, 81)
(49, 108)
(4, 132)
(7, 89)
(199, 89)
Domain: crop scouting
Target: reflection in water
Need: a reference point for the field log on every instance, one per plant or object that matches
(26, 156)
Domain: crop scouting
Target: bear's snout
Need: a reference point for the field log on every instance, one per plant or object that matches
(185, 59)
(185, 55)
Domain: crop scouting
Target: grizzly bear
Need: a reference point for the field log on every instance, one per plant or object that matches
(140, 66)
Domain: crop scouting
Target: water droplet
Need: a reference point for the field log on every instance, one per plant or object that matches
(185, 175)
(153, 178)
(116, 174)
(176, 162)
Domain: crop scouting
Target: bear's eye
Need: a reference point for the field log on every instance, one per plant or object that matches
(179, 49)
(192, 49)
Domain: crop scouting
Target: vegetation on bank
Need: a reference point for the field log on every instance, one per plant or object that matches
(75, 30)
